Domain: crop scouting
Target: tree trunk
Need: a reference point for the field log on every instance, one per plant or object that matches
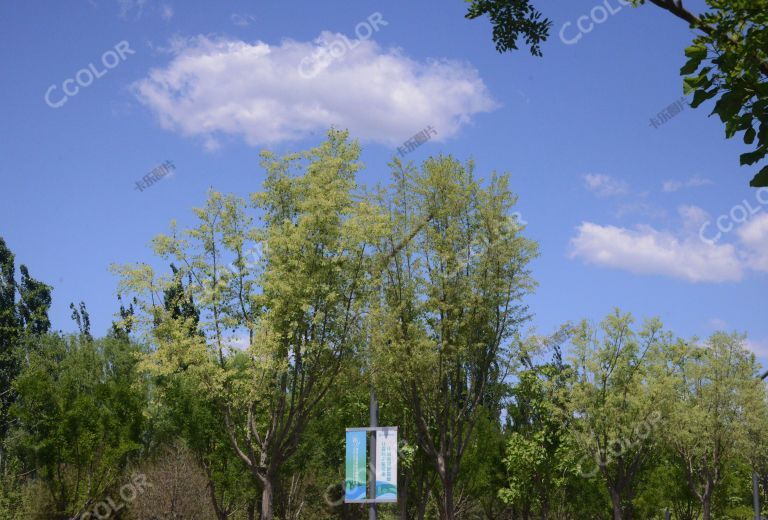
(706, 498)
(448, 506)
(421, 507)
(267, 511)
(616, 501)
(402, 499)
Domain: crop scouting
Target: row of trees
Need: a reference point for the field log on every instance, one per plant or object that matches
(227, 382)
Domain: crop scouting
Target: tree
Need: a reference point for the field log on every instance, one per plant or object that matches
(450, 305)
(80, 411)
(541, 458)
(10, 332)
(512, 20)
(300, 305)
(19, 321)
(728, 58)
(178, 488)
(180, 410)
(721, 401)
(617, 401)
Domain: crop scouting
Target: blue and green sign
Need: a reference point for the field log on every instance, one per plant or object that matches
(386, 465)
(383, 458)
(355, 482)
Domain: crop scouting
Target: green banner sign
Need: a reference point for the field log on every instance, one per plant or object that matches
(386, 465)
(357, 449)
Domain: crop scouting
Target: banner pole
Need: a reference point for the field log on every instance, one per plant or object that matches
(374, 411)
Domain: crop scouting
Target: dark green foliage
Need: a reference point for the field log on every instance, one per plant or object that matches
(80, 416)
(35, 300)
(512, 20)
(729, 59)
(10, 331)
(179, 304)
(19, 322)
(122, 328)
(82, 318)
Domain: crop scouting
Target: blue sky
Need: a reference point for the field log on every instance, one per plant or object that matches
(617, 205)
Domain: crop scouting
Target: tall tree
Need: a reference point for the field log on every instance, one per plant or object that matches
(617, 401)
(300, 307)
(450, 304)
(541, 458)
(19, 321)
(721, 403)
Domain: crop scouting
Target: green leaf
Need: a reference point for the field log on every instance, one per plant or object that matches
(749, 136)
(692, 83)
(701, 96)
(690, 67)
(761, 179)
(752, 157)
(698, 52)
(728, 105)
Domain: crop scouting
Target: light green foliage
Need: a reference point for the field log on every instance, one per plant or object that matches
(450, 304)
(300, 305)
(542, 461)
(720, 409)
(616, 401)
(279, 311)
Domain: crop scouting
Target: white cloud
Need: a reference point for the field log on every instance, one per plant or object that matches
(605, 185)
(693, 182)
(754, 235)
(645, 250)
(236, 341)
(215, 87)
(760, 348)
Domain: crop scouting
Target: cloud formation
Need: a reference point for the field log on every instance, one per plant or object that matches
(754, 235)
(680, 254)
(216, 87)
(693, 182)
(760, 348)
(605, 185)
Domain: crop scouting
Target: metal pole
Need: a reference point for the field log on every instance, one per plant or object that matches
(374, 409)
(667, 515)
